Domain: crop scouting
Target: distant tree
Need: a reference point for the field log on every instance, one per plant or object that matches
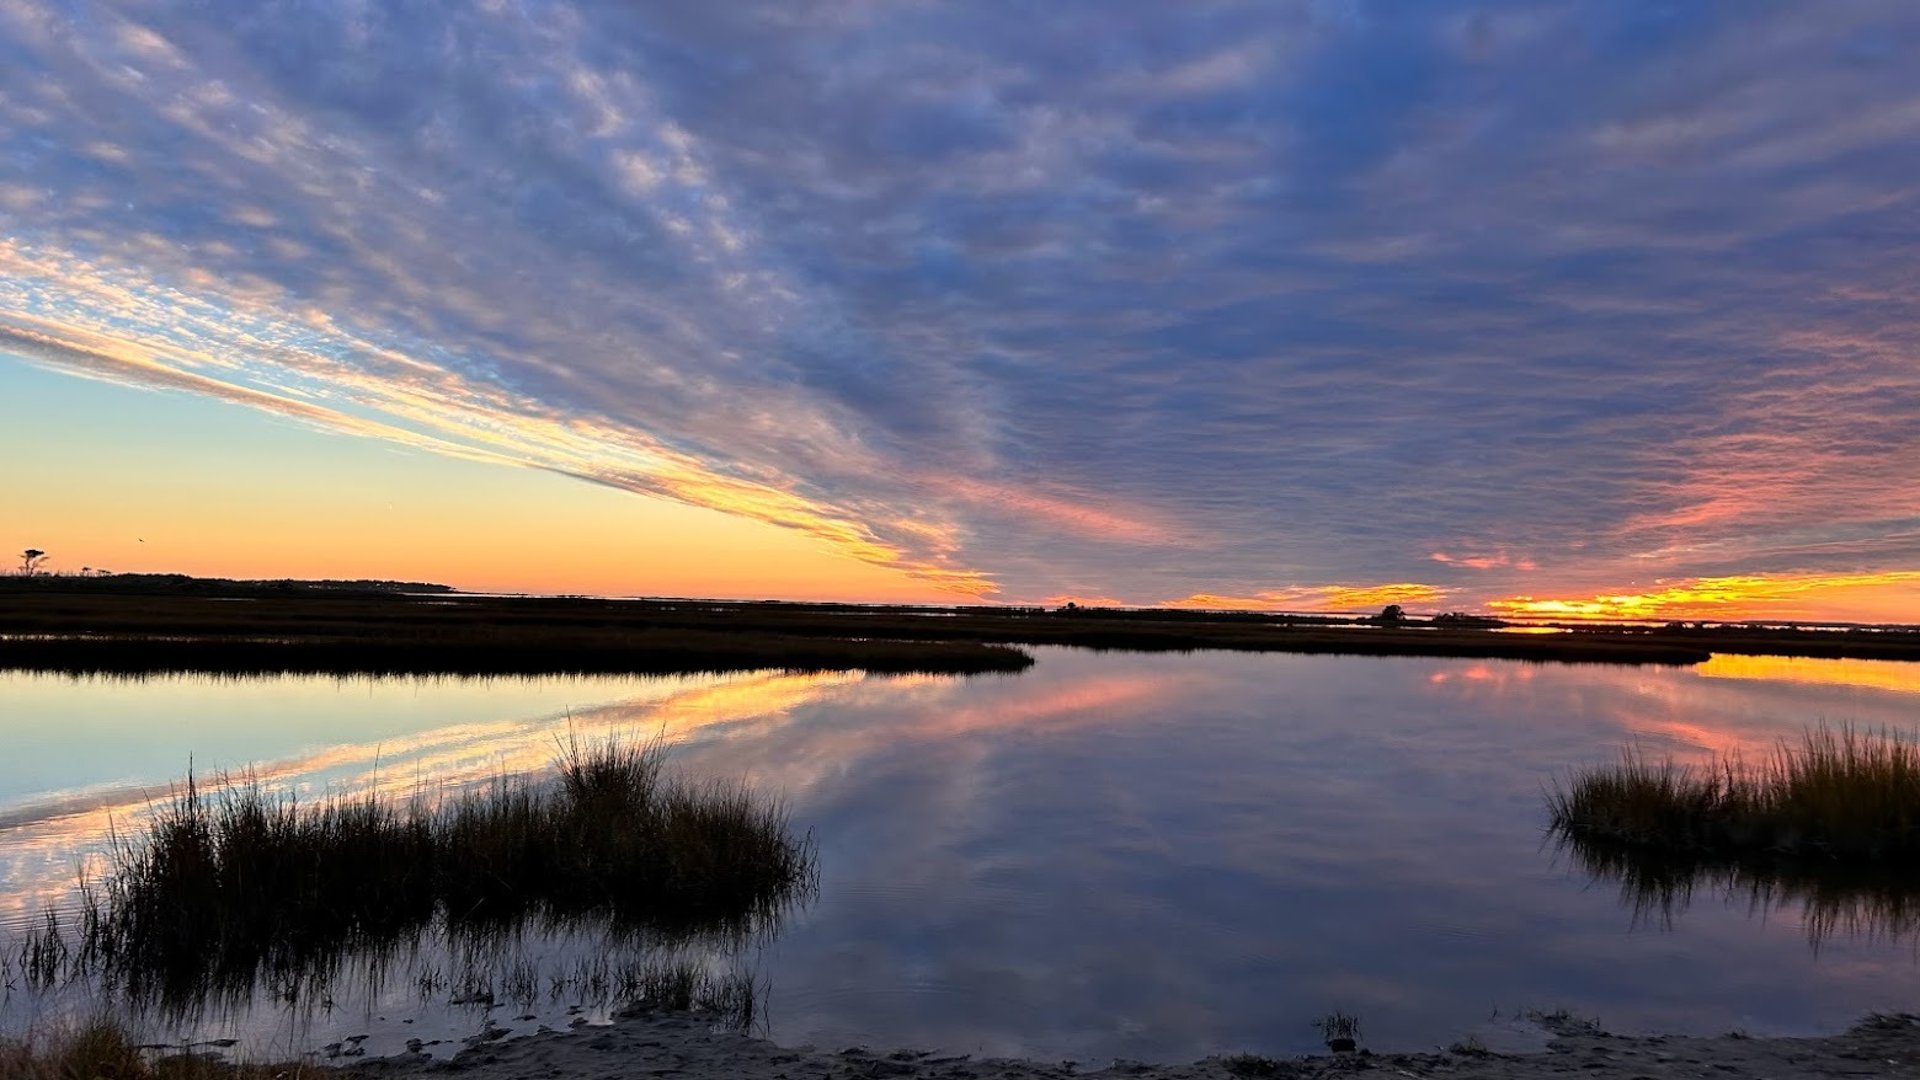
(30, 561)
(1392, 613)
(1467, 620)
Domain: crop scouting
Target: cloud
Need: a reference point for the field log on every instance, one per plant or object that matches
(1111, 299)
(1328, 598)
(1497, 560)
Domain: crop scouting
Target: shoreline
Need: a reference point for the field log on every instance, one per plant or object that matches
(680, 1044)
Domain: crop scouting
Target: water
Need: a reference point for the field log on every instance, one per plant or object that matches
(1110, 855)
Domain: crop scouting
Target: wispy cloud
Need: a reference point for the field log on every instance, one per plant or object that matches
(1331, 598)
(1111, 300)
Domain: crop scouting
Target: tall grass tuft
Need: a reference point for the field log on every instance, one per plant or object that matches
(1837, 795)
(225, 888)
(614, 837)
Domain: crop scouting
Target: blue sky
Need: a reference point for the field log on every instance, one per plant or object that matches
(1144, 301)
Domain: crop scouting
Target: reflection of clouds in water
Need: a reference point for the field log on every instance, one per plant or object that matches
(1204, 852)
(49, 838)
(882, 718)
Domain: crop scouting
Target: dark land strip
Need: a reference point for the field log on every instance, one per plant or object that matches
(171, 625)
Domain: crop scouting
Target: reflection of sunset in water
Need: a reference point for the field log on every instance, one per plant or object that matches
(50, 839)
(1498, 675)
(1086, 700)
(1687, 739)
(1871, 674)
(1680, 715)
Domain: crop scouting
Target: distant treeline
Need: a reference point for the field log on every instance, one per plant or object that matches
(187, 585)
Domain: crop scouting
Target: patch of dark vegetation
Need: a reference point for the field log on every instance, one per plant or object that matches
(225, 890)
(1562, 1021)
(1470, 1047)
(1839, 796)
(1340, 1031)
(104, 1050)
(685, 987)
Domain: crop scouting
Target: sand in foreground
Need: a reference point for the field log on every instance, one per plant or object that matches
(679, 1046)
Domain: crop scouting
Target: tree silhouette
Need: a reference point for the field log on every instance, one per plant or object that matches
(30, 561)
(1391, 614)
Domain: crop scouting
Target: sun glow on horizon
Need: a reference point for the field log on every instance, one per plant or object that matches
(1885, 596)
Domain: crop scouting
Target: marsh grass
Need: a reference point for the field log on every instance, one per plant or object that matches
(1839, 795)
(103, 1050)
(226, 888)
(1340, 1030)
(682, 986)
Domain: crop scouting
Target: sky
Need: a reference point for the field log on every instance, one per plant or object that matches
(1565, 308)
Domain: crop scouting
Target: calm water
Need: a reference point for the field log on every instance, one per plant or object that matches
(1146, 856)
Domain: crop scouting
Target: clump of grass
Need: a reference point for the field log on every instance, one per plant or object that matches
(683, 986)
(1340, 1030)
(103, 1050)
(616, 838)
(224, 888)
(1563, 1021)
(1471, 1046)
(1838, 795)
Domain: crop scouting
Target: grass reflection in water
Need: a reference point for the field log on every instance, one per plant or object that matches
(1834, 899)
(1830, 825)
(236, 891)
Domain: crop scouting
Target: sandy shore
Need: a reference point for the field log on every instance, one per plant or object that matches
(678, 1046)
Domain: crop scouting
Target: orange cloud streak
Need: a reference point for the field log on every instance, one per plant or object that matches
(1494, 561)
(1328, 598)
(1076, 514)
